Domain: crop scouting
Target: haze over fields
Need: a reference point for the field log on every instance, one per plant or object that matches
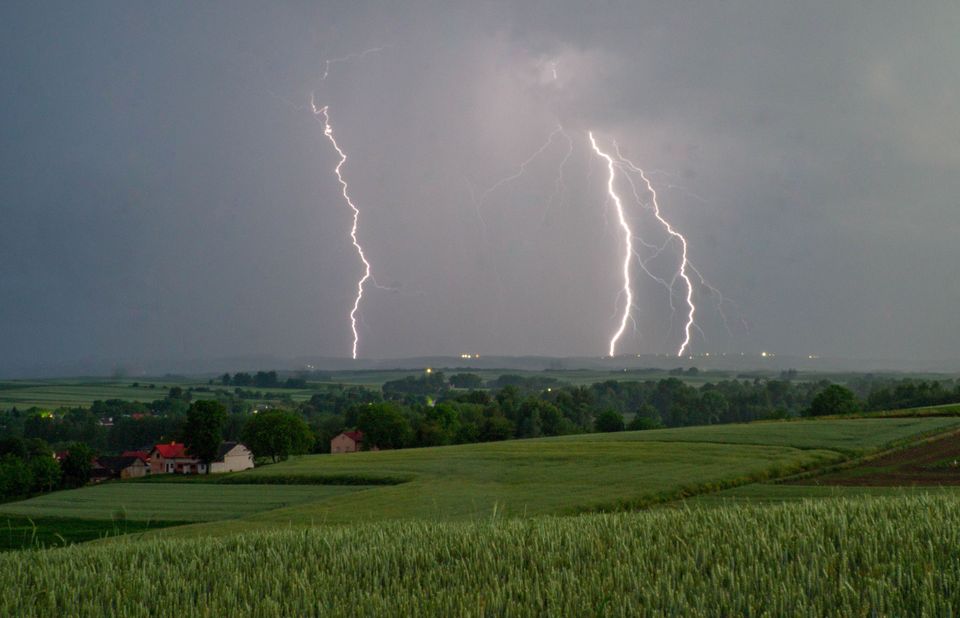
(168, 197)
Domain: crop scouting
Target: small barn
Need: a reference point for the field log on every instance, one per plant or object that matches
(121, 467)
(232, 457)
(347, 442)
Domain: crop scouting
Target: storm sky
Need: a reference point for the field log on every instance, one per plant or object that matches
(166, 191)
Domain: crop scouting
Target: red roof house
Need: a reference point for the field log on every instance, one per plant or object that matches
(172, 458)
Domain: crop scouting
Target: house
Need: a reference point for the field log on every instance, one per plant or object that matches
(122, 467)
(173, 458)
(348, 442)
(232, 457)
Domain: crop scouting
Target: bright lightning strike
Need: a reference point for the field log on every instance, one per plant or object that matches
(628, 239)
(328, 132)
(684, 260)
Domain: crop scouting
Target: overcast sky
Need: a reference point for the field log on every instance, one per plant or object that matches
(166, 192)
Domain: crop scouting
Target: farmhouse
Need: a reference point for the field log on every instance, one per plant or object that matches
(347, 442)
(173, 458)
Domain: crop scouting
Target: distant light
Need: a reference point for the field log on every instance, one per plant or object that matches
(763, 354)
(429, 370)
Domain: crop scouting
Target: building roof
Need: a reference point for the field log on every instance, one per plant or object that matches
(138, 454)
(116, 464)
(225, 447)
(356, 436)
(173, 450)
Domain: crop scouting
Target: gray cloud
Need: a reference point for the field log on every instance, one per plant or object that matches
(166, 193)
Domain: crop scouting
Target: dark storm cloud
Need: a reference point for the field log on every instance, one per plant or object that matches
(166, 193)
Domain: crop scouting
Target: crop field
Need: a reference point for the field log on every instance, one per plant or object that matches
(51, 394)
(774, 493)
(566, 475)
(516, 478)
(55, 393)
(849, 557)
(853, 436)
(170, 501)
(17, 532)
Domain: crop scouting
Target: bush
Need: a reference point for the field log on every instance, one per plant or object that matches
(609, 421)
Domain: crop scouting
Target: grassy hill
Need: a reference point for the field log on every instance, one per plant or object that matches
(182, 502)
(474, 530)
(548, 476)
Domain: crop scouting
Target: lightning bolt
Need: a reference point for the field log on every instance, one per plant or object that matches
(522, 169)
(559, 186)
(328, 132)
(353, 56)
(628, 240)
(684, 259)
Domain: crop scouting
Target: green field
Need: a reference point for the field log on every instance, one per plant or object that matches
(21, 532)
(80, 392)
(171, 501)
(852, 436)
(863, 557)
(572, 474)
(774, 493)
(515, 478)
(50, 394)
(506, 528)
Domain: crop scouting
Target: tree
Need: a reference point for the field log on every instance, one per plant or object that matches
(642, 423)
(277, 434)
(203, 429)
(834, 399)
(465, 380)
(384, 426)
(46, 474)
(15, 477)
(495, 427)
(609, 420)
(77, 464)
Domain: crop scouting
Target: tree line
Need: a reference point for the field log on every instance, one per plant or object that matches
(432, 409)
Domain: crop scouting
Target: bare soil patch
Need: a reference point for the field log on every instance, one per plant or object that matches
(932, 463)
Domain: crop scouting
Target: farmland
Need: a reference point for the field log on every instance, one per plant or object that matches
(170, 501)
(19, 532)
(515, 478)
(510, 527)
(833, 558)
(51, 394)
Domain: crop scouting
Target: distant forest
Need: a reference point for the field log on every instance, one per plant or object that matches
(433, 409)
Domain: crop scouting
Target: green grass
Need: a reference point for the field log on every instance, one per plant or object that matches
(853, 436)
(17, 532)
(171, 501)
(50, 394)
(863, 557)
(768, 493)
(517, 478)
(571, 474)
